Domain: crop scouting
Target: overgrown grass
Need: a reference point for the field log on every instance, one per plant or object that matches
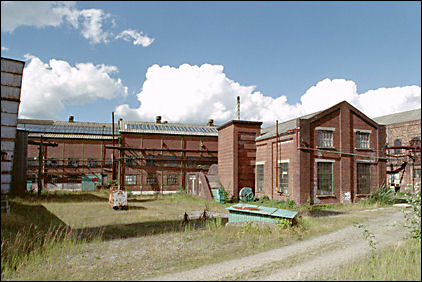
(36, 235)
(395, 263)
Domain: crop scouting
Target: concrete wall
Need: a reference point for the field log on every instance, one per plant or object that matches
(11, 81)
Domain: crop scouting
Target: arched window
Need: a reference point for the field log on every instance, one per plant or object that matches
(397, 142)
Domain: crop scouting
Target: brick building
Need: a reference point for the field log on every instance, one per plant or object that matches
(158, 156)
(403, 148)
(332, 156)
(78, 162)
(150, 157)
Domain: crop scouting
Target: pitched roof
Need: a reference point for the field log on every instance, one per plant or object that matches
(168, 128)
(282, 127)
(399, 117)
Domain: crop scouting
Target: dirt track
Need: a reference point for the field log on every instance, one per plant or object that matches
(303, 260)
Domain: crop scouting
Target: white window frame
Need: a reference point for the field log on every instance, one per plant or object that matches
(263, 176)
(322, 137)
(362, 132)
(332, 175)
(130, 179)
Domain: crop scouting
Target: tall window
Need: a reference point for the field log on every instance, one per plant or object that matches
(152, 179)
(363, 178)
(362, 140)
(325, 138)
(171, 179)
(325, 178)
(259, 178)
(283, 178)
(397, 142)
(130, 179)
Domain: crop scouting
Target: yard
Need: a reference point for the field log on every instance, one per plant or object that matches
(151, 238)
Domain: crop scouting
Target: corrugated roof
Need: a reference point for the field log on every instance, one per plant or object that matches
(399, 117)
(63, 127)
(247, 208)
(282, 127)
(71, 136)
(168, 128)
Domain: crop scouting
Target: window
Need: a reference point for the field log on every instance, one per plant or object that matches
(72, 178)
(191, 161)
(152, 179)
(32, 161)
(283, 178)
(397, 142)
(151, 161)
(259, 178)
(171, 161)
(130, 160)
(417, 173)
(363, 178)
(362, 140)
(325, 138)
(172, 179)
(53, 162)
(72, 162)
(325, 178)
(108, 162)
(130, 179)
(31, 177)
(52, 178)
(416, 142)
(92, 162)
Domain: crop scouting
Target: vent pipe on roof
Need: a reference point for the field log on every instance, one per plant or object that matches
(158, 119)
(210, 122)
(71, 118)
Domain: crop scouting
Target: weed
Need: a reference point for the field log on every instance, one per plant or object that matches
(413, 218)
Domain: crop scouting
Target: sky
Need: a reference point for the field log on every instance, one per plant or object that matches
(188, 61)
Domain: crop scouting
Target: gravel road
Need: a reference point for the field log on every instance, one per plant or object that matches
(303, 260)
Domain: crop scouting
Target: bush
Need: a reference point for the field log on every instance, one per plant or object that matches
(382, 196)
(413, 218)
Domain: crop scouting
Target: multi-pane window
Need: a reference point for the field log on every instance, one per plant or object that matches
(191, 161)
(151, 161)
(92, 162)
(152, 179)
(32, 161)
(108, 162)
(362, 140)
(72, 178)
(397, 142)
(171, 161)
(52, 162)
(259, 178)
(283, 178)
(417, 173)
(325, 178)
(130, 179)
(172, 179)
(72, 162)
(130, 160)
(325, 138)
(363, 178)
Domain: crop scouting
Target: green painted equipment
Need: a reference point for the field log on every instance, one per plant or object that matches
(218, 195)
(246, 194)
(244, 212)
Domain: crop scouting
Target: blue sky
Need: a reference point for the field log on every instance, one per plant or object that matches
(284, 59)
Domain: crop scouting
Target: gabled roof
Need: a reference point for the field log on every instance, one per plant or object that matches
(283, 127)
(411, 115)
(168, 128)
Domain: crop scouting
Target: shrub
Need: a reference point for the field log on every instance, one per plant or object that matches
(413, 218)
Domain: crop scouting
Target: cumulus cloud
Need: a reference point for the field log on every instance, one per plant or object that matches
(90, 22)
(194, 94)
(48, 87)
(138, 37)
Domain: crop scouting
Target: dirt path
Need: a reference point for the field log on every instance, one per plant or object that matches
(302, 260)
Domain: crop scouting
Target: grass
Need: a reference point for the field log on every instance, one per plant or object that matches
(395, 263)
(164, 244)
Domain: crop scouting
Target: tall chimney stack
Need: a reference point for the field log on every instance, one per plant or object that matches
(158, 119)
(71, 118)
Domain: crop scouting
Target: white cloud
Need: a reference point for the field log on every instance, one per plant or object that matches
(90, 22)
(194, 94)
(139, 37)
(4, 48)
(48, 88)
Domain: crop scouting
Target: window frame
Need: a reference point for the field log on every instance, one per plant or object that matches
(323, 141)
(72, 162)
(151, 176)
(172, 179)
(320, 192)
(131, 177)
(359, 141)
(367, 182)
(283, 188)
(259, 183)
